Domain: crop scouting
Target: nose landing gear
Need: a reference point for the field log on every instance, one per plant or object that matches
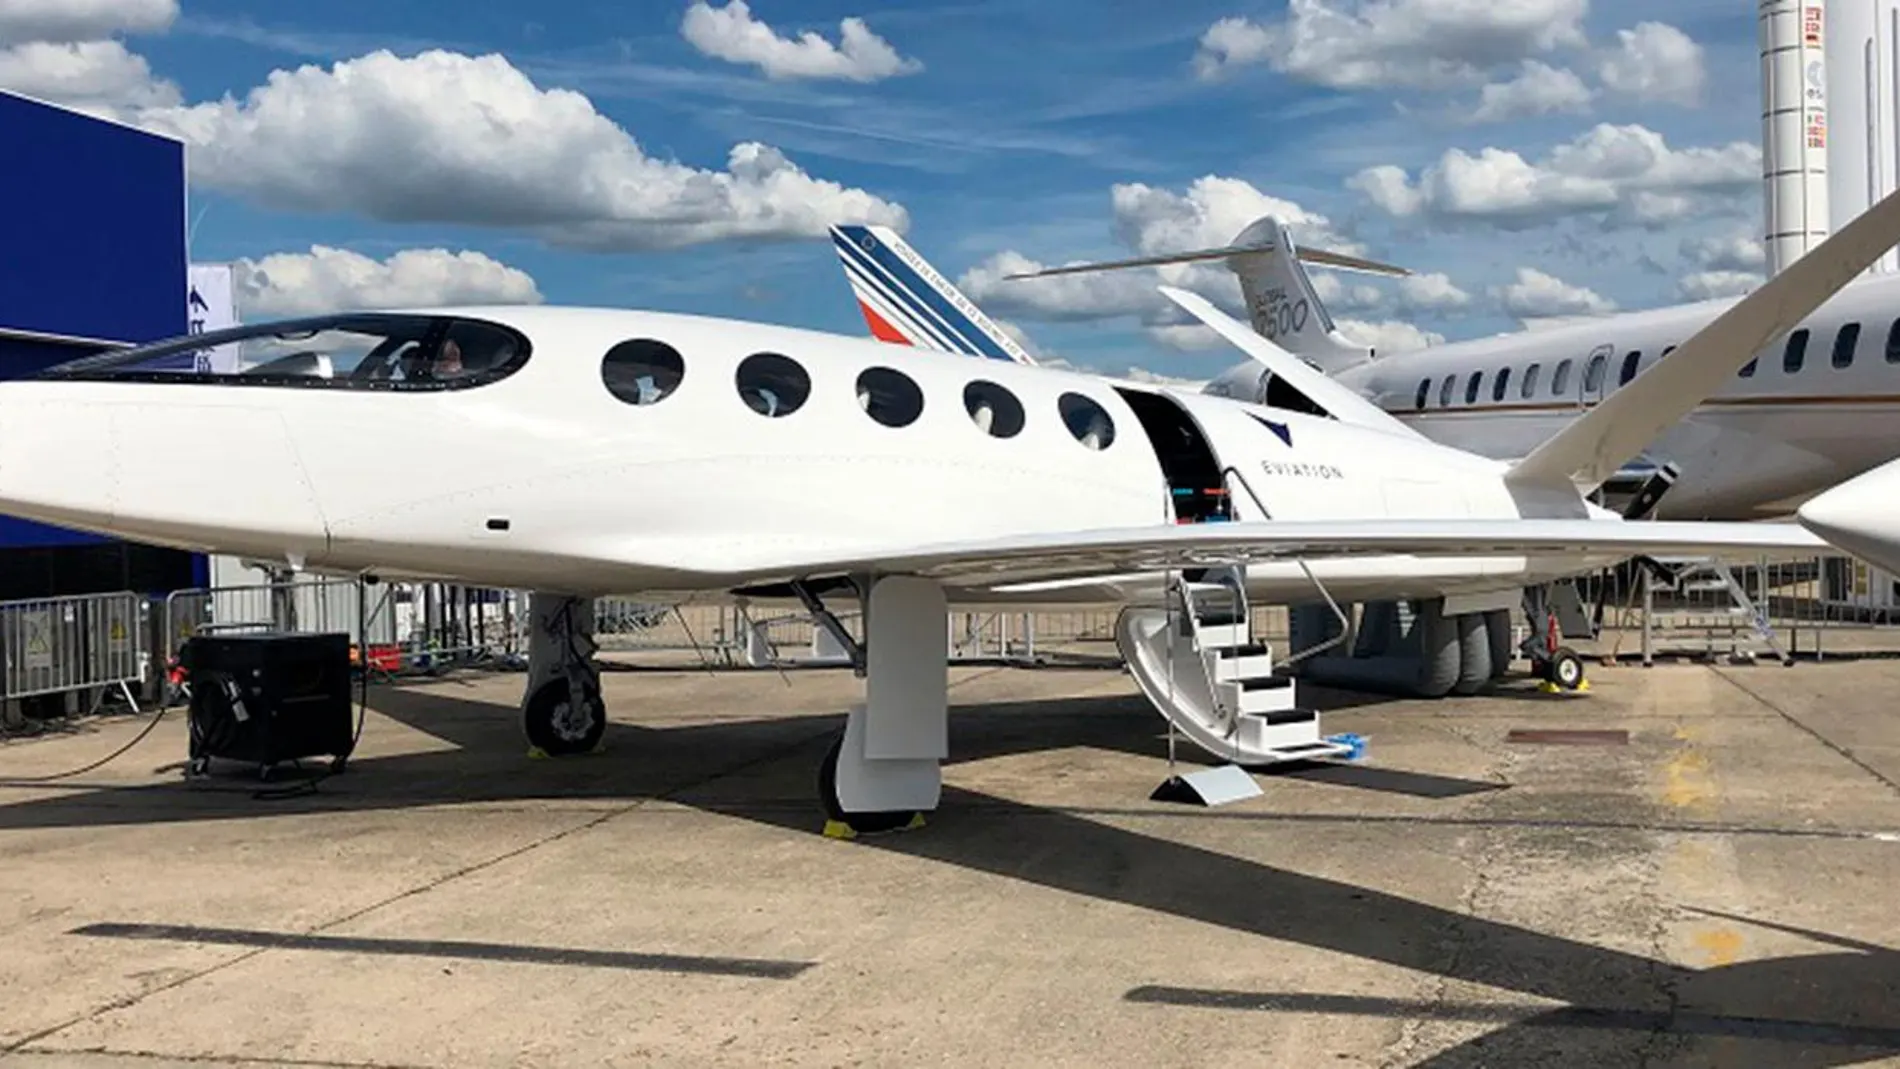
(1557, 666)
(561, 708)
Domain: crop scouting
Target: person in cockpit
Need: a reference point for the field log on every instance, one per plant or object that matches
(448, 362)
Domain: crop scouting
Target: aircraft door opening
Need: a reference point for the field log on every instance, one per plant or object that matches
(1197, 491)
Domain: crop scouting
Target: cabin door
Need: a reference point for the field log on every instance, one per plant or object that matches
(1197, 492)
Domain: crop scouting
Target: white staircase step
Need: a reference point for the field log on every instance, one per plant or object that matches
(1242, 662)
(1204, 587)
(1269, 695)
(1224, 637)
(1274, 731)
(1215, 604)
(1248, 719)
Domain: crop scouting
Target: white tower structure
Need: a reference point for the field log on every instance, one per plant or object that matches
(1863, 42)
(1794, 129)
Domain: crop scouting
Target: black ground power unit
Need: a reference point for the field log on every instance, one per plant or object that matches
(270, 697)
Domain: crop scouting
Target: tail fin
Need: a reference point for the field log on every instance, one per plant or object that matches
(1336, 400)
(1280, 297)
(905, 300)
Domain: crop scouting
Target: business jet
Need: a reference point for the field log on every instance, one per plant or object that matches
(1800, 417)
(587, 452)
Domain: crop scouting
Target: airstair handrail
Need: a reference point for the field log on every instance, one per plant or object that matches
(1345, 624)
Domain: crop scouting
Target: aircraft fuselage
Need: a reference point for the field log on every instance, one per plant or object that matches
(1812, 410)
(542, 478)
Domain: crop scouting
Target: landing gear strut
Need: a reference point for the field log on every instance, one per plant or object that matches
(884, 771)
(1557, 665)
(561, 708)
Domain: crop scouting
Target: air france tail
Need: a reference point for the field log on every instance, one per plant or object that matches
(905, 300)
(1281, 302)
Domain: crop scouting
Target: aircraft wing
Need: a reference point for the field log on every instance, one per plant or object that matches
(1080, 554)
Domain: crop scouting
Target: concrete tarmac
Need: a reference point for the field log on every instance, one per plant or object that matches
(1719, 887)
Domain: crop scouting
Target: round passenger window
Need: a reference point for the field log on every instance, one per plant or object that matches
(1086, 420)
(890, 397)
(643, 371)
(772, 385)
(993, 409)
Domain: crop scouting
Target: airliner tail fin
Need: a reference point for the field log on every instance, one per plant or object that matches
(907, 302)
(1281, 301)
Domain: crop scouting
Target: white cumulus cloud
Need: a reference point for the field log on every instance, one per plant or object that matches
(73, 21)
(732, 33)
(1655, 61)
(1538, 89)
(1732, 252)
(1388, 336)
(1209, 214)
(62, 51)
(1063, 298)
(1537, 295)
(445, 137)
(1361, 44)
(1705, 285)
(328, 279)
(98, 77)
(1432, 292)
(1627, 172)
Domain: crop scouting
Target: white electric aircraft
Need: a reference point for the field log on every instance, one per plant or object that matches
(1861, 516)
(1801, 418)
(581, 452)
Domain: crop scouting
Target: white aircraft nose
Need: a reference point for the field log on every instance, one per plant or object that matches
(1861, 516)
(56, 460)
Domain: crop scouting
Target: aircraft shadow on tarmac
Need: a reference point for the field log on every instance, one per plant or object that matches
(1806, 1012)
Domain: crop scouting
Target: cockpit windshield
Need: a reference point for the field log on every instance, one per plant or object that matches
(368, 350)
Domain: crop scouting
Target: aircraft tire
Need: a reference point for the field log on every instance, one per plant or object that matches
(1474, 654)
(858, 823)
(1497, 626)
(1564, 669)
(557, 731)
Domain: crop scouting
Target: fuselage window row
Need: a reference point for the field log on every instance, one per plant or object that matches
(645, 371)
(1793, 361)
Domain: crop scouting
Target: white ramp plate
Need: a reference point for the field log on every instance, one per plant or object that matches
(1209, 787)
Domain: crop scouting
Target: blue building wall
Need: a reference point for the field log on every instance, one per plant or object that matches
(92, 250)
(94, 234)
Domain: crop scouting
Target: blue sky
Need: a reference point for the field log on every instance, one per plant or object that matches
(1619, 169)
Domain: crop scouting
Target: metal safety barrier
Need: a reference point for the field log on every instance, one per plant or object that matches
(713, 632)
(312, 605)
(93, 642)
(1742, 609)
(1736, 609)
(1010, 637)
(395, 627)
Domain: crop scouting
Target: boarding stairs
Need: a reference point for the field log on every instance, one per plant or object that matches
(1196, 660)
(1706, 598)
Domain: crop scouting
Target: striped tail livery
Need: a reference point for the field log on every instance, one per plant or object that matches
(906, 302)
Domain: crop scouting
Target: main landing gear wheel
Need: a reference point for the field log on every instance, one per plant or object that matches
(842, 825)
(559, 728)
(1564, 670)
